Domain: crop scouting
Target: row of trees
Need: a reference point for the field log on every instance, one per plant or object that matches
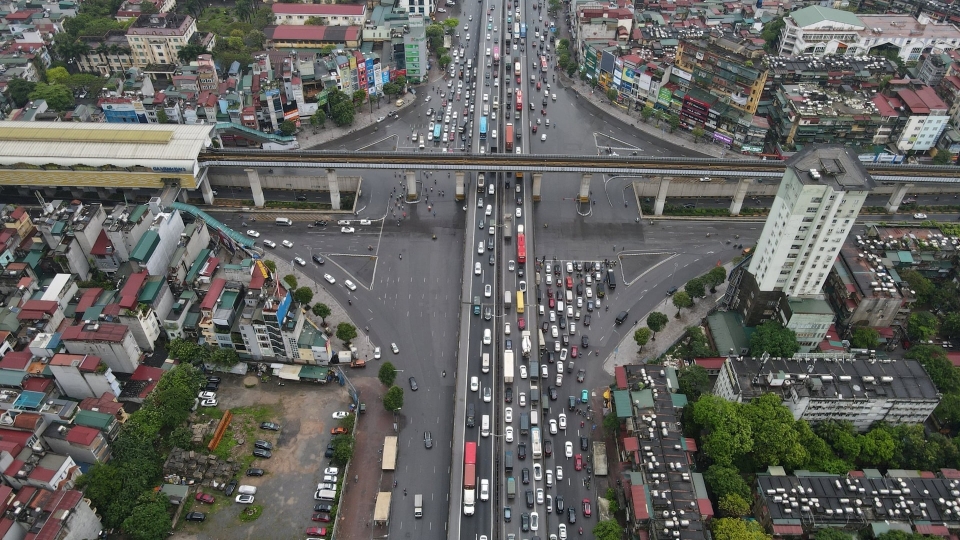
(123, 489)
(393, 399)
(198, 355)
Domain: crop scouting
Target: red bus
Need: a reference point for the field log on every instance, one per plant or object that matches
(521, 249)
(543, 64)
(519, 100)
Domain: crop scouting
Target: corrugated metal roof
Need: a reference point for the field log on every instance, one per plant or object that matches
(148, 242)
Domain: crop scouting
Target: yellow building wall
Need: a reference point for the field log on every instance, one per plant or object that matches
(104, 179)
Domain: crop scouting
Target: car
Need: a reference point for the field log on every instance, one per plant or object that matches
(347, 230)
(329, 479)
(255, 472)
(508, 414)
(548, 447)
(519, 211)
(330, 471)
(427, 440)
(340, 415)
(553, 426)
(584, 443)
(321, 516)
(474, 383)
(316, 531)
(487, 336)
(525, 522)
(554, 331)
(568, 449)
(562, 531)
(208, 403)
(562, 418)
(522, 450)
(586, 318)
(487, 395)
(381, 118)
(529, 496)
(323, 507)
(195, 516)
(349, 285)
(487, 290)
(376, 353)
(586, 507)
(253, 234)
(672, 290)
(537, 472)
(584, 341)
(318, 259)
(553, 391)
(394, 348)
(522, 399)
(506, 329)
(326, 485)
(508, 434)
(270, 243)
(580, 375)
(521, 324)
(328, 453)
(508, 394)
(571, 515)
(578, 462)
(205, 498)
(543, 137)
(584, 396)
(919, 216)
(262, 453)
(522, 285)
(287, 244)
(207, 395)
(525, 475)
(265, 445)
(559, 379)
(339, 430)
(300, 261)
(563, 355)
(534, 517)
(559, 475)
(231, 487)
(477, 269)
(245, 499)
(329, 279)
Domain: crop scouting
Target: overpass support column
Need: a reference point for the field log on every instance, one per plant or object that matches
(896, 198)
(585, 187)
(205, 190)
(411, 186)
(661, 196)
(461, 189)
(254, 177)
(741, 194)
(183, 196)
(537, 180)
(333, 184)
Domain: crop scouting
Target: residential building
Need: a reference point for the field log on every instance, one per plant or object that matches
(155, 39)
(82, 444)
(81, 376)
(729, 70)
(125, 227)
(270, 325)
(181, 321)
(415, 49)
(113, 343)
(158, 243)
(424, 8)
(141, 384)
(327, 14)
(926, 118)
(821, 387)
(311, 37)
(603, 22)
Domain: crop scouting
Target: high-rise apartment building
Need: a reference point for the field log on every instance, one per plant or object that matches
(415, 48)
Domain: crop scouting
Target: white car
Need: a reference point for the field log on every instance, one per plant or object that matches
(919, 216)
(537, 472)
(245, 499)
(349, 284)
(560, 366)
(508, 433)
(567, 451)
(559, 473)
(300, 261)
(484, 489)
(539, 496)
(329, 279)
(506, 329)
(534, 517)
(573, 328)
(543, 137)
(569, 267)
(340, 415)
(563, 420)
(489, 210)
(474, 384)
(208, 403)
(523, 372)
(394, 348)
(270, 243)
(467, 26)
(556, 346)
(487, 337)
(562, 531)
(554, 332)
(376, 353)
(523, 399)
(367, 221)
(488, 291)
(332, 471)
(508, 415)
(492, 230)
(559, 379)
(477, 269)
(487, 395)
(347, 230)
(549, 479)
(252, 233)
(486, 98)
(287, 244)
(553, 426)
(518, 212)
(480, 249)
(563, 354)
(207, 395)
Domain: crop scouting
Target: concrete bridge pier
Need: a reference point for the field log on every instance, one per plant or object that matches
(411, 186)
(741, 194)
(254, 177)
(333, 184)
(661, 196)
(585, 187)
(537, 181)
(896, 198)
(461, 188)
(205, 190)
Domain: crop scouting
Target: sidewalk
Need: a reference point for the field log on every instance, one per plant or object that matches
(361, 119)
(626, 350)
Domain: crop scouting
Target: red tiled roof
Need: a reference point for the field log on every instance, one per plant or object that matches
(107, 332)
(14, 467)
(620, 373)
(101, 245)
(691, 445)
(131, 289)
(37, 384)
(145, 373)
(950, 473)
(20, 15)
(631, 444)
(705, 508)
(318, 9)
(41, 474)
(316, 33)
(788, 530)
(27, 421)
(213, 294)
(45, 306)
(19, 212)
(56, 506)
(710, 363)
(16, 360)
(257, 280)
(106, 403)
(87, 299)
(639, 498)
(82, 435)
(83, 362)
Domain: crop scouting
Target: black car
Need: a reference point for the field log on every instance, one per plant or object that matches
(548, 448)
(272, 426)
(318, 259)
(571, 403)
(572, 515)
(545, 326)
(584, 341)
(195, 516)
(261, 453)
(584, 443)
(586, 320)
(413, 384)
(264, 445)
(529, 498)
(553, 393)
(507, 514)
(320, 223)
(565, 339)
(551, 357)
(560, 504)
(492, 260)
(525, 475)
(522, 450)
(562, 322)
(580, 375)
(329, 452)
(301, 197)
(212, 386)
(525, 521)
(508, 394)
(255, 472)
(323, 508)
(214, 380)
(490, 244)
(579, 289)
(231, 487)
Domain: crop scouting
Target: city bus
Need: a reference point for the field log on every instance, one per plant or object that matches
(496, 55)
(519, 301)
(436, 132)
(543, 64)
(535, 442)
(516, 30)
(519, 99)
(523, 31)
(483, 127)
(521, 248)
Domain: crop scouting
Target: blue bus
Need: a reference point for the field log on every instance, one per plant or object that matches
(483, 127)
(523, 31)
(436, 132)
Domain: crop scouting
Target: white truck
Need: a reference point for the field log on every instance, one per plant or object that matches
(508, 367)
(418, 506)
(525, 343)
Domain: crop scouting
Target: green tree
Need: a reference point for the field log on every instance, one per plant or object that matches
(950, 327)
(698, 133)
(323, 311)
(681, 300)
(771, 337)
(149, 519)
(57, 96)
(738, 529)
(243, 9)
(346, 332)
(646, 113)
(343, 114)
(829, 533)
(946, 297)
(451, 24)
(271, 265)
(642, 336)
(611, 423)
(948, 410)
(57, 75)
(923, 287)
(319, 118)
(771, 34)
(290, 280)
(185, 351)
(180, 437)
(695, 288)
(694, 382)
(608, 529)
(359, 97)
(316, 21)
(734, 505)
(775, 440)
(842, 437)
(20, 90)
(694, 345)
(922, 325)
(262, 18)
(656, 321)
(674, 122)
(612, 94)
(342, 449)
(392, 89)
(387, 374)
(942, 372)
(224, 357)
(864, 337)
(288, 128)
(393, 399)
(715, 277)
(303, 295)
(724, 481)
(444, 61)
(877, 447)
(944, 158)
(728, 435)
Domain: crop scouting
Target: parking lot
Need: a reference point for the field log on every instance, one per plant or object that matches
(295, 468)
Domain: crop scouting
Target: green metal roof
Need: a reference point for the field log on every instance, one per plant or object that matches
(815, 14)
(9, 377)
(137, 213)
(197, 265)
(58, 227)
(213, 222)
(313, 372)
(93, 419)
(148, 242)
(150, 290)
(621, 403)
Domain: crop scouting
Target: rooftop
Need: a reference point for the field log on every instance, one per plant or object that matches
(836, 166)
(319, 9)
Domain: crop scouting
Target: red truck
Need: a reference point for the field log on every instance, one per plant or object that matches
(508, 138)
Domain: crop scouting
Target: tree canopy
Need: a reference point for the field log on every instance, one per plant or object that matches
(393, 399)
(771, 337)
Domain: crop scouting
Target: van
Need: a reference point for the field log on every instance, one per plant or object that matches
(534, 369)
(469, 63)
(485, 425)
(506, 299)
(418, 505)
(569, 296)
(540, 307)
(534, 417)
(621, 317)
(284, 222)
(508, 461)
(327, 495)
(471, 416)
(245, 489)
(524, 423)
(511, 487)
(485, 363)
(611, 279)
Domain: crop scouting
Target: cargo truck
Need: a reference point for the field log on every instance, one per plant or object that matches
(418, 506)
(508, 367)
(534, 391)
(469, 478)
(508, 137)
(599, 458)
(525, 343)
